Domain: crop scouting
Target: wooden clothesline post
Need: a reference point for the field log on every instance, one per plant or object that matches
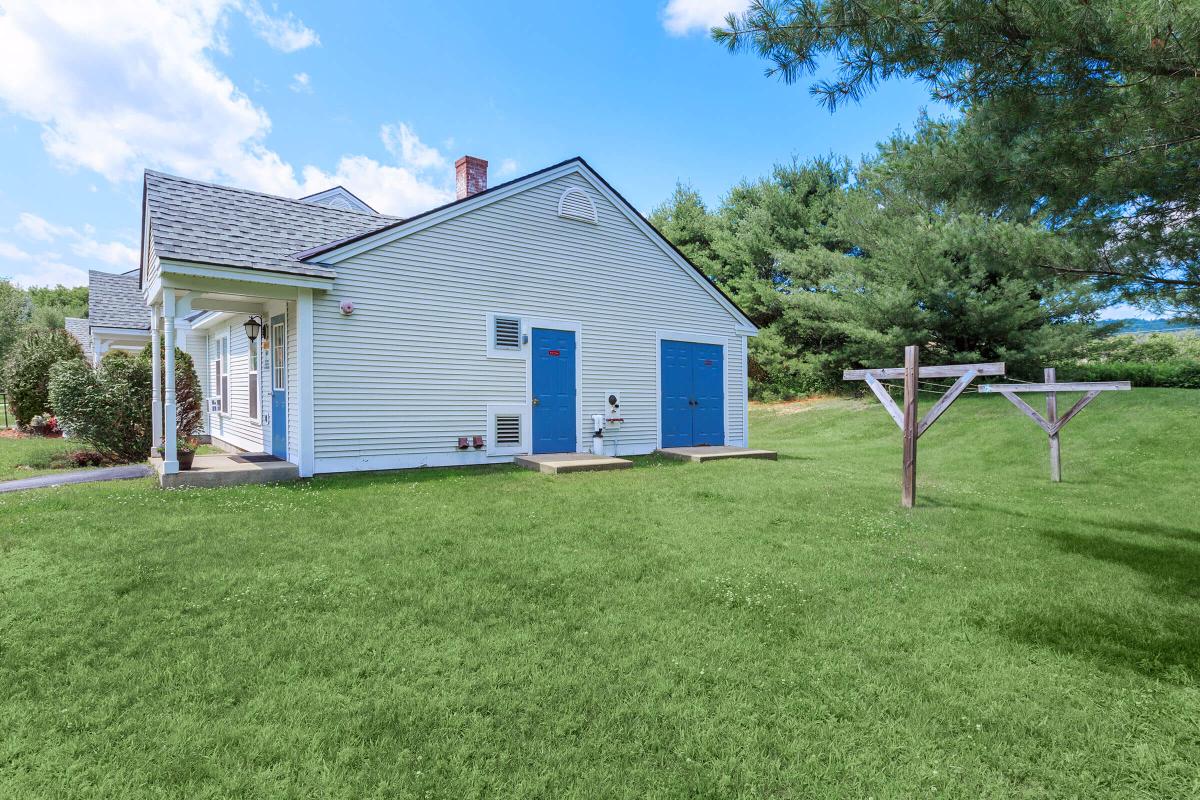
(912, 372)
(1052, 424)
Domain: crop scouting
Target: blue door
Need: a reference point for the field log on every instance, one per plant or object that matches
(692, 394)
(554, 408)
(676, 367)
(708, 390)
(278, 387)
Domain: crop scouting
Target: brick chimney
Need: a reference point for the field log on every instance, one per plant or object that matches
(470, 176)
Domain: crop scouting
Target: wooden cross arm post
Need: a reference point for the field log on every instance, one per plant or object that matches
(906, 419)
(1052, 424)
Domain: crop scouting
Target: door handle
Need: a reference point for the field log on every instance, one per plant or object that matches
(536, 401)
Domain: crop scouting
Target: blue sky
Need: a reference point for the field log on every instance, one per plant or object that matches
(293, 97)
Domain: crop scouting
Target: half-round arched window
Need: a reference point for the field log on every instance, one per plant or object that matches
(576, 204)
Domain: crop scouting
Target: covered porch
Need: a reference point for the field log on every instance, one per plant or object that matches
(250, 339)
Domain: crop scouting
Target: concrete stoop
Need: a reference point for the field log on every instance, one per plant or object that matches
(714, 453)
(555, 463)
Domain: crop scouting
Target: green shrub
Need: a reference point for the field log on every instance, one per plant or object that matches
(109, 408)
(27, 372)
(1179, 374)
(189, 398)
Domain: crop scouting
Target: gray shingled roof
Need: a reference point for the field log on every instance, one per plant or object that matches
(81, 330)
(210, 224)
(115, 301)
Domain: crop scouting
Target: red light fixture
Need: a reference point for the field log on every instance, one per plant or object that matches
(462, 443)
(477, 441)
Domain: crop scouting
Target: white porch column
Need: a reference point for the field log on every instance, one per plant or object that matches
(304, 363)
(156, 409)
(170, 421)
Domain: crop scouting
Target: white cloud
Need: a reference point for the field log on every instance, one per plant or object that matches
(128, 84)
(10, 252)
(403, 143)
(507, 167)
(82, 244)
(682, 17)
(51, 273)
(34, 227)
(389, 189)
(285, 33)
(40, 270)
(301, 83)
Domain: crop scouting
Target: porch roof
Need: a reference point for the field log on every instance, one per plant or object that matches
(205, 223)
(114, 301)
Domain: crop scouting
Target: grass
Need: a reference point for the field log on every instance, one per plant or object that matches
(28, 457)
(24, 458)
(734, 629)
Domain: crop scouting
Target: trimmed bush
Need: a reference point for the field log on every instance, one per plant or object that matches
(1167, 374)
(189, 399)
(27, 372)
(109, 408)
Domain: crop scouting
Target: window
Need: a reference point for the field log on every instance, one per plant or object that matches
(504, 336)
(223, 373)
(252, 381)
(278, 358)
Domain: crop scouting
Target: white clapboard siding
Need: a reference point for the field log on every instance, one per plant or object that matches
(408, 372)
(234, 425)
(195, 344)
(152, 266)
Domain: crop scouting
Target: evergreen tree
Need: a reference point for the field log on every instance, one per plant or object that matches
(1084, 114)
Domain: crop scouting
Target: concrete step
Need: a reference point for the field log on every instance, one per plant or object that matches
(223, 470)
(555, 463)
(714, 453)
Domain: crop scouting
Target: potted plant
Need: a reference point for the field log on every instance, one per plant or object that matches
(185, 451)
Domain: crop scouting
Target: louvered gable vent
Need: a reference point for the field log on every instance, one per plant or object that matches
(508, 430)
(576, 204)
(507, 333)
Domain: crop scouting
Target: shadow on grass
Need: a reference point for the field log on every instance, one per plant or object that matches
(1119, 633)
(1045, 516)
(1174, 571)
(1167, 650)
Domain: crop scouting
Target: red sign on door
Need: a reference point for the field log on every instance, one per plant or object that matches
(553, 353)
(708, 362)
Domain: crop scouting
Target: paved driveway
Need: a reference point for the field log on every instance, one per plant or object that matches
(121, 473)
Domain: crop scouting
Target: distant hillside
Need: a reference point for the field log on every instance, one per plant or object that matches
(1149, 325)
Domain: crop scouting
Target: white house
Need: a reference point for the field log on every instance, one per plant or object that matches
(117, 317)
(490, 327)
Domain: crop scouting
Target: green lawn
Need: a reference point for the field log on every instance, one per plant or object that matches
(24, 458)
(734, 629)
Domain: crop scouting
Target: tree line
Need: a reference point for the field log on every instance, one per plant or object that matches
(1064, 182)
(40, 308)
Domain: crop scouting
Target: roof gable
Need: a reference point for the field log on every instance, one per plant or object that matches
(205, 223)
(339, 197)
(115, 301)
(332, 253)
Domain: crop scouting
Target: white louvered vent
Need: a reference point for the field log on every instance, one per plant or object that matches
(507, 333)
(508, 430)
(576, 204)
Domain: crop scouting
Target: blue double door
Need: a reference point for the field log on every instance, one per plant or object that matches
(555, 407)
(693, 394)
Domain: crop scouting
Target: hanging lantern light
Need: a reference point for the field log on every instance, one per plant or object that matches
(253, 327)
